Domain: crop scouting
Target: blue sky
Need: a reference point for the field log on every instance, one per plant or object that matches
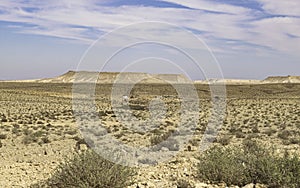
(251, 39)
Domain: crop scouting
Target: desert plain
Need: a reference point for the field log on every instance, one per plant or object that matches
(39, 130)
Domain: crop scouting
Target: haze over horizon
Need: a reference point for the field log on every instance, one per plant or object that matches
(251, 39)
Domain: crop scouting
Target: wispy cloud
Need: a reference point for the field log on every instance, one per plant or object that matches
(225, 27)
(286, 7)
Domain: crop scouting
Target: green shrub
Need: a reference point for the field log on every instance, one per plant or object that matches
(89, 169)
(251, 163)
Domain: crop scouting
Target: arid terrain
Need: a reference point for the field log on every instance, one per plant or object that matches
(38, 129)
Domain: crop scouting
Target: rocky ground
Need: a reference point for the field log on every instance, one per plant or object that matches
(39, 128)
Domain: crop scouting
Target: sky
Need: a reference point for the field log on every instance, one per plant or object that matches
(248, 39)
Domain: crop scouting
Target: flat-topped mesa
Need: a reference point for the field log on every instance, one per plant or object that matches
(282, 79)
(115, 77)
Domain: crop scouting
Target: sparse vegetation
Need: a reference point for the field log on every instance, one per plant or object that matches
(251, 163)
(182, 183)
(163, 140)
(224, 140)
(89, 169)
(3, 136)
(35, 113)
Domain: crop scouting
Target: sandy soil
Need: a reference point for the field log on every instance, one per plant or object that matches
(38, 129)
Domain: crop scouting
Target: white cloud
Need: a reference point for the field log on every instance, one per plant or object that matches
(210, 6)
(78, 19)
(283, 7)
(276, 33)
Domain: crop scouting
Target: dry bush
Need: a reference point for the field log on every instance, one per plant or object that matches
(3, 136)
(251, 163)
(89, 169)
(163, 140)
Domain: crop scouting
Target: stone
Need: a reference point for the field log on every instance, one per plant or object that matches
(200, 185)
(251, 185)
(83, 147)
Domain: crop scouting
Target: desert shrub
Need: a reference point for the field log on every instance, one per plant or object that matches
(89, 169)
(38, 134)
(17, 126)
(39, 122)
(71, 132)
(294, 141)
(163, 140)
(3, 136)
(250, 163)
(26, 131)
(15, 130)
(194, 142)
(4, 120)
(158, 138)
(45, 140)
(285, 134)
(224, 140)
(255, 129)
(182, 183)
(240, 134)
(270, 132)
(28, 139)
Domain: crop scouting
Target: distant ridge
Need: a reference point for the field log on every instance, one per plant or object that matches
(228, 81)
(282, 79)
(111, 77)
(268, 80)
(134, 77)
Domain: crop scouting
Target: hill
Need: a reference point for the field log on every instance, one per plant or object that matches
(111, 77)
(282, 79)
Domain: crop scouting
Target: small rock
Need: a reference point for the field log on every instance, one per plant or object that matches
(83, 147)
(251, 185)
(260, 186)
(200, 185)
(150, 185)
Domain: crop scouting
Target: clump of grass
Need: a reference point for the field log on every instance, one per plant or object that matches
(89, 169)
(251, 163)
